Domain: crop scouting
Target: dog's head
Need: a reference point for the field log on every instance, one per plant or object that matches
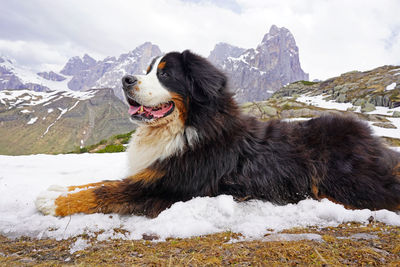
(177, 85)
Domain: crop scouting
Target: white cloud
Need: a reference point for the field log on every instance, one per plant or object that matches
(333, 36)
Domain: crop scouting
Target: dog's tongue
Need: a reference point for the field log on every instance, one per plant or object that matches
(156, 113)
(133, 110)
(160, 112)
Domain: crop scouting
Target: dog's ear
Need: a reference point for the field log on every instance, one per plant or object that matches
(206, 80)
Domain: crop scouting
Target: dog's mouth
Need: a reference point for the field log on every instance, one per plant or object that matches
(148, 113)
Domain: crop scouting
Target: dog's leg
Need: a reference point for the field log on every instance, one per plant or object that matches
(62, 201)
(123, 197)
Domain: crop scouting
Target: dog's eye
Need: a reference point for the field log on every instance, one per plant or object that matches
(164, 74)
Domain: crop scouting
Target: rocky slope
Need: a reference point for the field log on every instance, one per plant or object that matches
(55, 122)
(255, 74)
(373, 96)
(367, 90)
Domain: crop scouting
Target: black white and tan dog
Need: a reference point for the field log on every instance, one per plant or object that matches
(192, 141)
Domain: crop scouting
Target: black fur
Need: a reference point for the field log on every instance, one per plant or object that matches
(332, 156)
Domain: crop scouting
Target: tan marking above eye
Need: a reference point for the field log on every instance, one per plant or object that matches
(148, 69)
(161, 65)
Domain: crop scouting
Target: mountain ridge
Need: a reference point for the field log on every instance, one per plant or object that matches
(58, 121)
(256, 73)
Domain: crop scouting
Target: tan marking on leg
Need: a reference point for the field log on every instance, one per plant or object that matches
(87, 201)
(73, 187)
(83, 201)
(146, 176)
(315, 191)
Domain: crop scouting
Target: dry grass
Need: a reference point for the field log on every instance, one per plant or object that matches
(381, 246)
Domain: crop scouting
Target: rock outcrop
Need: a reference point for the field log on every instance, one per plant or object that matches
(368, 89)
(255, 74)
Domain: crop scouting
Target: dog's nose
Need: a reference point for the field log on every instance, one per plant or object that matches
(129, 80)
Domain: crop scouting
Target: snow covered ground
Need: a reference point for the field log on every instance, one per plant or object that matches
(22, 178)
(318, 101)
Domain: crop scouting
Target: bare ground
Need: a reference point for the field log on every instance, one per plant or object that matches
(353, 244)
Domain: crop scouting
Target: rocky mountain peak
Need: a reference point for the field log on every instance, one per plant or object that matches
(77, 64)
(51, 76)
(256, 73)
(223, 50)
(88, 60)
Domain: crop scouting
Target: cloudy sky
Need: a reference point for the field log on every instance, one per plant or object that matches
(333, 36)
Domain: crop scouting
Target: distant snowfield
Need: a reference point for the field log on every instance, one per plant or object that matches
(22, 178)
(318, 101)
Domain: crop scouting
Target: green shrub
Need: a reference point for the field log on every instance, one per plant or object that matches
(83, 150)
(112, 149)
(102, 142)
(308, 82)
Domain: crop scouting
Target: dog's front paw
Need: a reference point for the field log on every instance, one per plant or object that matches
(45, 202)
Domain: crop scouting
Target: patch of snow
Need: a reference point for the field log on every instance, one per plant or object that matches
(296, 119)
(50, 110)
(80, 244)
(27, 75)
(25, 98)
(387, 132)
(63, 111)
(280, 237)
(383, 110)
(359, 236)
(24, 177)
(318, 101)
(390, 87)
(32, 120)
(26, 111)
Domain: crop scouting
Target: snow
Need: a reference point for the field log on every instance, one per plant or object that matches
(32, 120)
(24, 98)
(390, 86)
(80, 244)
(318, 101)
(27, 75)
(23, 178)
(388, 132)
(62, 112)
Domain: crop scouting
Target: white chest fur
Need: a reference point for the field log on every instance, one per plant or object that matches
(149, 144)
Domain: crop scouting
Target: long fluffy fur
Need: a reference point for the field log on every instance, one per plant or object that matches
(224, 152)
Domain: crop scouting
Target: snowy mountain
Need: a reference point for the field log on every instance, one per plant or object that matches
(79, 73)
(58, 121)
(255, 74)
(87, 73)
(14, 76)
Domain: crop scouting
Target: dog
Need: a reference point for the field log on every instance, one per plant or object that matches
(193, 141)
